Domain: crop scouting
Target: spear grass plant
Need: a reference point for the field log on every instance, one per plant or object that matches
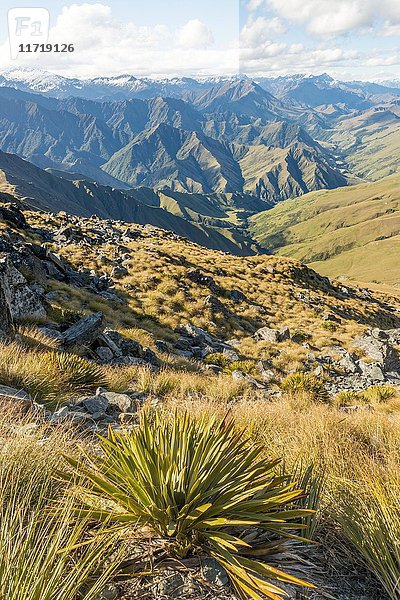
(201, 487)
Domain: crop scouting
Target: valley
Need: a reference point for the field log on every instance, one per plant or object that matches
(209, 159)
(199, 338)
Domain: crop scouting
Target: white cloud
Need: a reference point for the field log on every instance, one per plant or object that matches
(330, 18)
(295, 58)
(259, 30)
(106, 46)
(389, 30)
(253, 5)
(195, 35)
(324, 17)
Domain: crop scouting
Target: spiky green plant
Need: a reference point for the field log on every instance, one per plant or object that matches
(199, 485)
(217, 358)
(348, 398)
(311, 480)
(380, 393)
(77, 372)
(247, 366)
(305, 382)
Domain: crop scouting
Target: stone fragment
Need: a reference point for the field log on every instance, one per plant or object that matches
(84, 332)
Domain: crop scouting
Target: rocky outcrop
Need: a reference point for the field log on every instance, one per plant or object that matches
(112, 347)
(23, 301)
(377, 346)
(100, 410)
(380, 363)
(200, 278)
(195, 342)
(6, 321)
(266, 334)
(12, 215)
(84, 332)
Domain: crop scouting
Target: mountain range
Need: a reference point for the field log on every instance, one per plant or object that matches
(200, 157)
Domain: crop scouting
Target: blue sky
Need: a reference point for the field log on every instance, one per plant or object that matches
(350, 39)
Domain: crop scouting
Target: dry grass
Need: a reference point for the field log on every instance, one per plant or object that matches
(43, 558)
(359, 454)
(48, 376)
(158, 296)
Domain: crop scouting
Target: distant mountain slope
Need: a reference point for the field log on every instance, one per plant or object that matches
(370, 141)
(273, 139)
(165, 156)
(241, 97)
(166, 143)
(275, 174)
(315, 90)
(352, 231)
(42, 190)
(311, 89)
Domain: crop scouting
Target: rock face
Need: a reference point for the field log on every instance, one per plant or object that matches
(84, 332)
(12, 215)
(379, 365)
(200, 278)
(6, 321)
(376, 345)
(266, 334)
(215, 305)
(114, 348)
(101, 409)
(195, 342)
(22, 299)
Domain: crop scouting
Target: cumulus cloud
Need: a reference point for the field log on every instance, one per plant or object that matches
(328, 18)
(390, 30)
(296, 58)
(259, 30)
(107, 46)
(253, 5)
(195, 35)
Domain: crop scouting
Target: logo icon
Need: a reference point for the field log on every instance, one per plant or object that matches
(27, 25)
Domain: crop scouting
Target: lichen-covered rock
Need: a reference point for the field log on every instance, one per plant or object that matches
(266, 334)
(22, 301)
(84, 332)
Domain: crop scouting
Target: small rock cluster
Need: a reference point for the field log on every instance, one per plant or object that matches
(195, 342)
(379, 365)
(100, 410)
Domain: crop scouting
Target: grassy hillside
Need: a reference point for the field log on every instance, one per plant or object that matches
(352, 231)
(181, 396)
(370, 141)
(183, 400)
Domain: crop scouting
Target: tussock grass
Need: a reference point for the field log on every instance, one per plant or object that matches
(176, 385)
(29, 370)
(42, 557)
(369, 516)
(47, 376)
(78, 373)
(305, 382)
(377, 396)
